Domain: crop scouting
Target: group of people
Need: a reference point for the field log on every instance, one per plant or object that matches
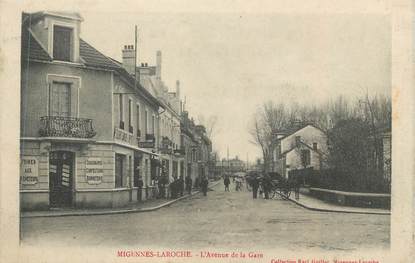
(179, 185)
(237, 180)
(256, 182)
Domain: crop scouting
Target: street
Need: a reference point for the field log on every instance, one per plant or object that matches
(222, 219)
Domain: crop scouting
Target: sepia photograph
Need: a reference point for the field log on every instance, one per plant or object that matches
(206, 136)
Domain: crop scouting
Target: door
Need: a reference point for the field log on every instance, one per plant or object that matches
(60, 99)
(60, 178)
(119, 170)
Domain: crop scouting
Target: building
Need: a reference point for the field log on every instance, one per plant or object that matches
(170, 151)
(79, 149)
(231, 165)
(190, 146)
(204, 150)
(300, 148)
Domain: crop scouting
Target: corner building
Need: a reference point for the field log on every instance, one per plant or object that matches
(87, 131)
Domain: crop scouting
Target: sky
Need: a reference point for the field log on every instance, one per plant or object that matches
(229, 63)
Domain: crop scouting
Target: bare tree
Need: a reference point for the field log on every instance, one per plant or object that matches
(270, 119)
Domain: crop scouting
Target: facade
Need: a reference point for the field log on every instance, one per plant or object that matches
(77, 149)
(96, 132)
(203, 151)
(169, 119)
(190, 146)
(302, 148)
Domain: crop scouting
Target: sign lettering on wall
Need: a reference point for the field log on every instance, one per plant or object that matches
(29, 170)
(123, 136)
(94, 170)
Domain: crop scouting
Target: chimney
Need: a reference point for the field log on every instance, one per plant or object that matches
(297, 140)
(128, 58)
(158, 65)
(178, 88)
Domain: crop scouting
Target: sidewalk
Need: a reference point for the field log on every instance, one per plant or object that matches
(319, 205)
(146, 206)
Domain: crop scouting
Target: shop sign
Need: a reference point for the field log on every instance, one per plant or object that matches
(94, 170)
(29, 170)
(146, 144)
(123, 136)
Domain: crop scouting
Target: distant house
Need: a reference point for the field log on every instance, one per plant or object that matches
(304, 147)
(382, 162)
(231, 165)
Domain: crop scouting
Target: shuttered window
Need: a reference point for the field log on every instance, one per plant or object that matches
(62, 43)
(60, 99)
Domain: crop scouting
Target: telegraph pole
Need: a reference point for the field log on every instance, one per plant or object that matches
(135, 60)
(227, 156)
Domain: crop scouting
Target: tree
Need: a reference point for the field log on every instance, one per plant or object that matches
(270, 119)
(349, 151)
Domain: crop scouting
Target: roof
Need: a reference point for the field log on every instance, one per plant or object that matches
(291, 131)
(31, 48)
(90, 56)
(306, 145)
(93, 57)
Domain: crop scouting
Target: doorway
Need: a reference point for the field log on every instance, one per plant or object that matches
(61, 178)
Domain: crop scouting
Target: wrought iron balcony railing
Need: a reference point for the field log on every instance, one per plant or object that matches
(55, 126)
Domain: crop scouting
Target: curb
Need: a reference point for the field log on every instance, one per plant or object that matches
(332, 210)
(136, 210)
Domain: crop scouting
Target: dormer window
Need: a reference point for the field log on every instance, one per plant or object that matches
(62, 43)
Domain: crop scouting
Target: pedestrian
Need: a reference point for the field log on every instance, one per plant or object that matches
(226, 182)
(266, 183)
(161, 185)
(297, 188)
(188, 182)
(181, 185)
(140, 185)
(255, 186)
(204, 185)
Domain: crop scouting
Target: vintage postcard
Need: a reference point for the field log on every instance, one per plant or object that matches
(220, 131)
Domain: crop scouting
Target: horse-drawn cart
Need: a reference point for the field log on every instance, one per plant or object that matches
(282, 187)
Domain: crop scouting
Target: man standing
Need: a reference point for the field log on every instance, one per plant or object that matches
(226, 182)
(255, 186)
(204, 185)
(188, 182)
(140, 188)
(181, 185)
(266, 185)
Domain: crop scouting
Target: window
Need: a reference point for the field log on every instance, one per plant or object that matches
(153, 124)
(60, 99)
(146, 122)
(305, 157)
(130, 116)
(138, 120)
(119, 170)
(121, 112)
(314, 145)
(62, 43)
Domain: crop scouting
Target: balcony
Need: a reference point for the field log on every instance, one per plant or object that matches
(55, 126)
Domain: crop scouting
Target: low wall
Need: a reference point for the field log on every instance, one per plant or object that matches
(34, 200)
(373, 200)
